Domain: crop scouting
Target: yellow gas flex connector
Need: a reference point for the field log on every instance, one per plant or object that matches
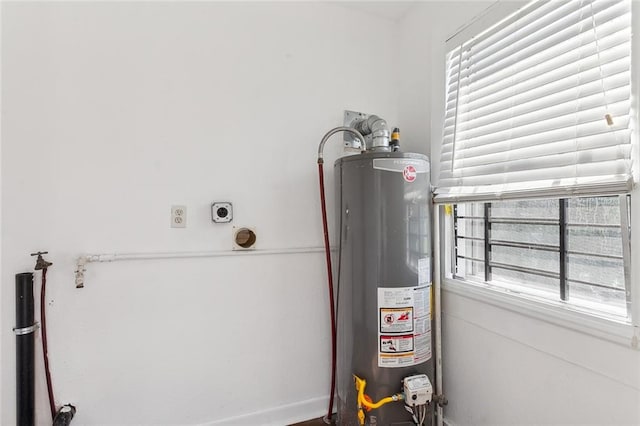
(363, 402)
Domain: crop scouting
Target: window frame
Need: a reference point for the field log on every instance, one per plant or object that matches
(556, 312)
(620, 332)
(561, 224)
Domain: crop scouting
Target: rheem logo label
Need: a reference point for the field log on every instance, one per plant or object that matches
(409, 173)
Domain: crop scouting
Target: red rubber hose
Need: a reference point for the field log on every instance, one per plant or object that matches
(327, 251)
(43, 324)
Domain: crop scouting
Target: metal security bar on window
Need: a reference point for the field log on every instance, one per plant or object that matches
(572, 250)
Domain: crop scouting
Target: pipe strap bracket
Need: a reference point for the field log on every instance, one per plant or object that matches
(26, 330)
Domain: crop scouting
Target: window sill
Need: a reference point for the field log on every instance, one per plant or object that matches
(616, 331)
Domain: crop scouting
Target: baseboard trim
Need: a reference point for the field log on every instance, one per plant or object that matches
(448, 422)
(278, 416)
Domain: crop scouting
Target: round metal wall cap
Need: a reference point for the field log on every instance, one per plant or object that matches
(244, 238)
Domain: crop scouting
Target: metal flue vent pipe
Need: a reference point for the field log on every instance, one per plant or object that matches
(378, 130)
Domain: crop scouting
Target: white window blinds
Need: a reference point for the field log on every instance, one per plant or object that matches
(539, 105)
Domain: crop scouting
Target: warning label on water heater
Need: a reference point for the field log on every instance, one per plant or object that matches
(404, 326)
(396, 320)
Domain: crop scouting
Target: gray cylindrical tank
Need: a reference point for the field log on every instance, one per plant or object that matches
(383, 206)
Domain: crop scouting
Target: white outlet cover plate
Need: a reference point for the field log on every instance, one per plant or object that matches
(178, 216)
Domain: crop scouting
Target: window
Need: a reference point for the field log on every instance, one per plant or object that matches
(572, 250)
(536, 159)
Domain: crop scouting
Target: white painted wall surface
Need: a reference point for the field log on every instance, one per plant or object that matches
(412, 59)
(502, 367)
(505, 368)
(112, 112)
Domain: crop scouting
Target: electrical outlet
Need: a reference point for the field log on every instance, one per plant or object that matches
(178, 216)
(222, 212)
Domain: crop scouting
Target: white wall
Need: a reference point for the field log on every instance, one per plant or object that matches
(413, 62)
(502, 367)
(112, 112)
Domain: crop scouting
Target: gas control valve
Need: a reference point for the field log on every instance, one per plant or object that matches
(417, 390)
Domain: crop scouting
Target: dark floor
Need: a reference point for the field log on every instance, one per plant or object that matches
(314, 422)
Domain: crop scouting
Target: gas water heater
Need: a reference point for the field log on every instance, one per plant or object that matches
(384, 299)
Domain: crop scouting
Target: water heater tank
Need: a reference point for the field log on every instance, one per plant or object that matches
(384, 294)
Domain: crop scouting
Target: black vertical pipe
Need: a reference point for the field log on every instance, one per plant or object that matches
(25, 350)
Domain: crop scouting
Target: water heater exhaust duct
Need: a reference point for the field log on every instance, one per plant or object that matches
(374, 129)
